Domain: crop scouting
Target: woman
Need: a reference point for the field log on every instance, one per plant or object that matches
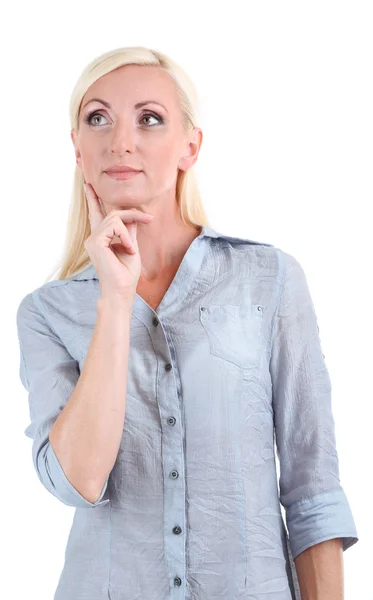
(159, 368)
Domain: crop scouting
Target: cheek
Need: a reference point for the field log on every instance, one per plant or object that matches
(90, 161)
(162, 156)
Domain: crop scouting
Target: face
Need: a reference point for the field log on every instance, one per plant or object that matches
(150, 138)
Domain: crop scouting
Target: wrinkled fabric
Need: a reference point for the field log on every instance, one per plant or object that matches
(227, 371)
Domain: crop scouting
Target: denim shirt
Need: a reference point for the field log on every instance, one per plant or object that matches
(228, 368)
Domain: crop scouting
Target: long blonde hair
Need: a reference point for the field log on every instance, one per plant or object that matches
(74, 256)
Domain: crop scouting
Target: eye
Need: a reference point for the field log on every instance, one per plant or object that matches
(89, 118)
(154, 116)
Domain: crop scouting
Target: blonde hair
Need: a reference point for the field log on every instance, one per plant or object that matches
(74, 256)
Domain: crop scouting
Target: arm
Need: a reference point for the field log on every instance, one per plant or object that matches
(315, 503)
(86, 435)
(320, 571)
(71, 412)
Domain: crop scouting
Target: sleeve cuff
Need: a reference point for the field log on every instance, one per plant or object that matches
(60, 486)
(323, 517)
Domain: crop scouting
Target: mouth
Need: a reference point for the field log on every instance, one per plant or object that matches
(122, 175)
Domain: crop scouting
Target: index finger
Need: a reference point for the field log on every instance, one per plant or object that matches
(96, 214)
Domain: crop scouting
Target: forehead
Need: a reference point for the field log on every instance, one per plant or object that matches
(134, 83)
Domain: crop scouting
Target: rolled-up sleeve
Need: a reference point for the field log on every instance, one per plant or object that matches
(49, 374)
(316, 506)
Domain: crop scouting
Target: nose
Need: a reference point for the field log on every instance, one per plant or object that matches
(123, 137)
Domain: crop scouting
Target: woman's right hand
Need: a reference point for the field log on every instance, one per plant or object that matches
(118, 266)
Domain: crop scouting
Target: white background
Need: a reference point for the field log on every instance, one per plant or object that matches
(286, 106)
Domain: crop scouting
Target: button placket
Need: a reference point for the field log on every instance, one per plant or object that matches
(174, 474)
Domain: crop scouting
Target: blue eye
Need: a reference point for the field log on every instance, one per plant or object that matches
(88, 118)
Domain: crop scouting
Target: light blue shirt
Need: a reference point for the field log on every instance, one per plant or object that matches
(227, 368)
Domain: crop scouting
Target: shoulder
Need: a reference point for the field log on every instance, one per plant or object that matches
(278, 262)
(56, 296)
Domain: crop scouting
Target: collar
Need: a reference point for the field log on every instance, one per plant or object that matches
(207, 231)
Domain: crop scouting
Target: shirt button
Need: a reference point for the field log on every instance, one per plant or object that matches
(177, 581)
(174, 474)
(171, 420)
(168, 367)
(155, 322)
(177, 530)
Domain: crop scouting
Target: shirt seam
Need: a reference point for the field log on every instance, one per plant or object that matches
(283, 274)
(310, 498)
(326, 538)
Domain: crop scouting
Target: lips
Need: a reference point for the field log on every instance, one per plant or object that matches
(122, 170)
(119, 176)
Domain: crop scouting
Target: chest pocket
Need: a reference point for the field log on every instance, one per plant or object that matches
(234, 332)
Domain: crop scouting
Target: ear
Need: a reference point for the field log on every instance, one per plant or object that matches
(193, 146)
(77, 151)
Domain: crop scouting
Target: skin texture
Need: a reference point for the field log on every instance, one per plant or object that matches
(130, 136)
(320, 571)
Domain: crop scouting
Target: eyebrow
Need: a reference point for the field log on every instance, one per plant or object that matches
(138, 105)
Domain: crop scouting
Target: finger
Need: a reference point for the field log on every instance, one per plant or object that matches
(128, 216)
(115, 228)
(96, 216)
(122, 233)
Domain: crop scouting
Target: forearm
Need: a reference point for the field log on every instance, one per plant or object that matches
(320, 571)
(86, 435)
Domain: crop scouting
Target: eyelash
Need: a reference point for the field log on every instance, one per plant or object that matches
(88, 118)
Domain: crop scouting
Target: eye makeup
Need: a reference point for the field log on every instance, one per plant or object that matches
(88, 118)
